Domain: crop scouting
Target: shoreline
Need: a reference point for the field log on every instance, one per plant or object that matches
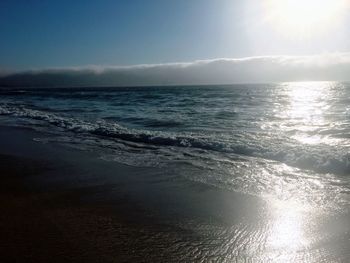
(59, 204)
(49, 215)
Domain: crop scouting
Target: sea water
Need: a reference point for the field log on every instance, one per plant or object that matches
(286, 143)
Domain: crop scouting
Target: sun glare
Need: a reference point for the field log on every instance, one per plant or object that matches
(304, 18)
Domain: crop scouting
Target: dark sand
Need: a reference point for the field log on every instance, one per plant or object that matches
(48, 213)
(63, 205)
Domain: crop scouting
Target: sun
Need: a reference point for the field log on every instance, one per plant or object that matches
(304, 18)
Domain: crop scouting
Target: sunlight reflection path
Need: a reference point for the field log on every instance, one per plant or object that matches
(289, 235)
(287, 230)
(305, 112)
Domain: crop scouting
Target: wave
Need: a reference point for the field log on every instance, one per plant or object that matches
(106, 129)
(316, 158)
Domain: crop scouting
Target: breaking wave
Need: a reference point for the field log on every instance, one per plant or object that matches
(316, 158)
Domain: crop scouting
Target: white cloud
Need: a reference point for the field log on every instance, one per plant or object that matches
(327, 66)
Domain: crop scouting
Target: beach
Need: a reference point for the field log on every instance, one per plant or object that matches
(175, 131)
(151, 175)
(62, 220)
(63, 205)
(53, 210)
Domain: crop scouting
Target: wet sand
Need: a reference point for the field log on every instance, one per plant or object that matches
(44, 218)
(63, 205)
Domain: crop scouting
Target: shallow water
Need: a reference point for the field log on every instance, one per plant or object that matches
(286, 144)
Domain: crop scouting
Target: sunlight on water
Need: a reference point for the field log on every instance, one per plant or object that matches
(306, 111)
(287, 231)
(306, 102)
(288, 234)
(272, 161)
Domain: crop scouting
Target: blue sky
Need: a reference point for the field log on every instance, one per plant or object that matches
(41, 34)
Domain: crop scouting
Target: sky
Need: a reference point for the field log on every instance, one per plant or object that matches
(39, 35)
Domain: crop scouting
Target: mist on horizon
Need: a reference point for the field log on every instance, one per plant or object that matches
(324, 67)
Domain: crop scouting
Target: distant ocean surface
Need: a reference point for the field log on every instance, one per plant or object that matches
(287, 140)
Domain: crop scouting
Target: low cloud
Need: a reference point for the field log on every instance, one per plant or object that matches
(329, 66)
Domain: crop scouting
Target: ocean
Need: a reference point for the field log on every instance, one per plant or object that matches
(287, 144)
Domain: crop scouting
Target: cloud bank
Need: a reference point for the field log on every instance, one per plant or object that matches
(262, 69)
